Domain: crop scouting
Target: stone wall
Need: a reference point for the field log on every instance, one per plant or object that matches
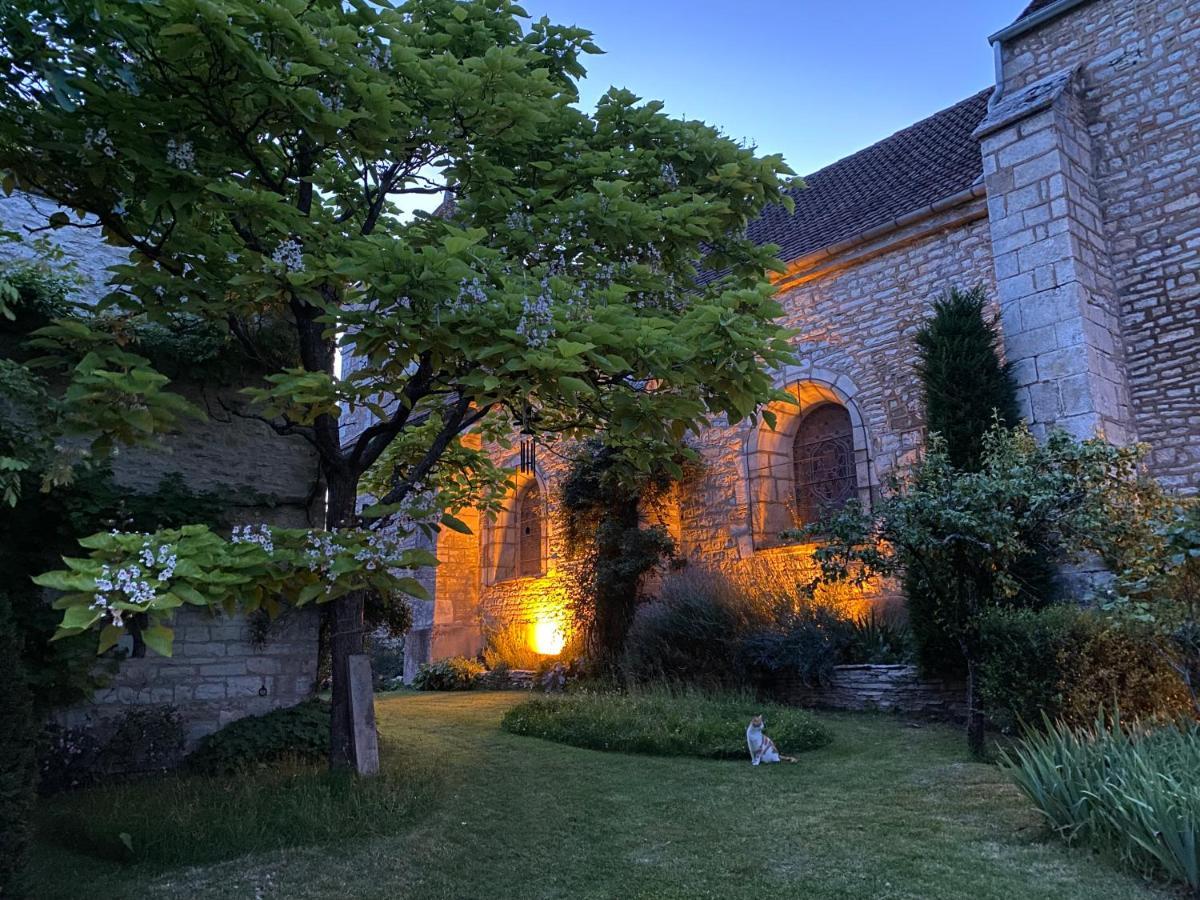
(891, 688)
(1138, 90)
(217, 673)
(857, 316)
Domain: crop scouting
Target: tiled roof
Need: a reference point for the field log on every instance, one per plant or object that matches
(914, 168)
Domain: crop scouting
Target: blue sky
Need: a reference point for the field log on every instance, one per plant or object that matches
(814, 80)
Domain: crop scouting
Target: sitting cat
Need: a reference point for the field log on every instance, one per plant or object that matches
(762, 748)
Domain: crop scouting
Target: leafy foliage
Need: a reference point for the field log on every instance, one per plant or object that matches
(693, 632)
(965, 384)
(507, 647)
(563, 277)
(967, 389)
(298, 733)
(1129, 792)
(967, 533)
(663, 723)
(454, 674)
(612, 551)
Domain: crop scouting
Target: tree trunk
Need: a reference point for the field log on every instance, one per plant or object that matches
(346, 638)
(975, 719)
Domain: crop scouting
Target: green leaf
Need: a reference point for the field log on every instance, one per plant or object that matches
(159, 638)
(455, 524)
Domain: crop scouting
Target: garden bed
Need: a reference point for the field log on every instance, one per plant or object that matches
(663, 723)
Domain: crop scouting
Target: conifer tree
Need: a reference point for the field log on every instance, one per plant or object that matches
(967, 387)
(964, 381)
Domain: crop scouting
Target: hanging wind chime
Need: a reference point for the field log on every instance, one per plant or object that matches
(528, 447)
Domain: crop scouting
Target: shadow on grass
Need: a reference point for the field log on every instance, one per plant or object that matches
(177, 819)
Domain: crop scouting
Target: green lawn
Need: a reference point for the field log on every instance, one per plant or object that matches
(887, 810)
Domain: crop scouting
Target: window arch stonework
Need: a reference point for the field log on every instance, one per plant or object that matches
(515, 541)
(814, 460)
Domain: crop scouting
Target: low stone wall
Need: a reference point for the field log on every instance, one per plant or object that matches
(216, 674)
(896, 688)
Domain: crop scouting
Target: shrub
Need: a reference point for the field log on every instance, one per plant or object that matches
(807, 642)
(1123, 668)
(662, 722)
(454, 674)
(1130, 792)
(299, 732)
(879, 639)
(692, 633)
(1021, 676)
(387, 659)
(1066, 662)
(507, 645)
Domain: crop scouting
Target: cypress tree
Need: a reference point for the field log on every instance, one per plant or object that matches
(966, 388)
(966, 385)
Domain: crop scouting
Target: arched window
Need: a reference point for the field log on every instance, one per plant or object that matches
(530, 561)
(826, 476)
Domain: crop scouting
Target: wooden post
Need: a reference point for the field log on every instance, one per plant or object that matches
(362, 706)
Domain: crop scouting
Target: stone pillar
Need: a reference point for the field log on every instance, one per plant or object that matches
(1057, 298)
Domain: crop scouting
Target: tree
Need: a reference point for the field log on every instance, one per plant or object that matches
(965, 384)
(257, 158)
(966, 533)
(966, 388)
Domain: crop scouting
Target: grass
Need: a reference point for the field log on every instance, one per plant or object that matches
(887, 810)
(663, 723)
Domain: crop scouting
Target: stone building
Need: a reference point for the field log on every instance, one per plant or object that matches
(1070, 190)
(222, 668)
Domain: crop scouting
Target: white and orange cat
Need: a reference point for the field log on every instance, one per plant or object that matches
(762, 748)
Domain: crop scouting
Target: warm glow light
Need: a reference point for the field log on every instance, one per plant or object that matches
(548, 638)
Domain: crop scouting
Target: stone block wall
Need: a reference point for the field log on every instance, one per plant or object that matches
(1138, 90)
(216, 675)
(857, 316)
(880, 688)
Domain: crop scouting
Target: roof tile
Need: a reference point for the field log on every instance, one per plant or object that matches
(914, 168)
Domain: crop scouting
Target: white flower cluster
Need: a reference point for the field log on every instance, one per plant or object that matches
(290, 255)
(333, 104)
(517, 221)
(537, 323)
(98, 139)
(181, 154)
(470, 294)
(380, 58)
(319, 550)
(669, 176)
(131, 584)
(246, 534)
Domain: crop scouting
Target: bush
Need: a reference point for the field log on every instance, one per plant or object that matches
(878, 639)
(663, 722)
(692, 633)
(454, 674)
(299, 732)
(1066, 662)
(1128, 792)
(807, 642)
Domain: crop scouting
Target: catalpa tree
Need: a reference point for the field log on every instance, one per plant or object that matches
(260, 161)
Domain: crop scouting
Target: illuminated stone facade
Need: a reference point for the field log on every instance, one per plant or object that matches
(1071, 191)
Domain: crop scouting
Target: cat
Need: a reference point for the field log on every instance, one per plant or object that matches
(762, 748)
